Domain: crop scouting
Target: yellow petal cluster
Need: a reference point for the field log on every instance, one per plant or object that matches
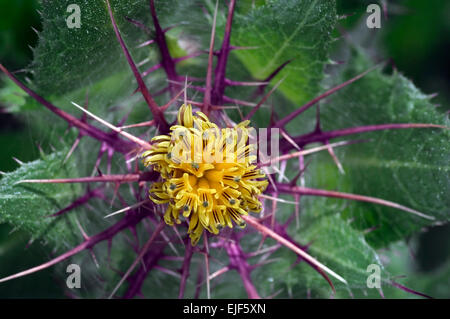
(207, 173)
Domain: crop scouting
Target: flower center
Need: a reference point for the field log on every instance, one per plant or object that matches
(207, 174)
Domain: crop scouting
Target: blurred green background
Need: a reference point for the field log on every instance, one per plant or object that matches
(416, 35)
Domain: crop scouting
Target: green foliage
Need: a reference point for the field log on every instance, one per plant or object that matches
(66, 59)
(287, 30)
(26, 206)
(410, 167)
(336, 244)
(12, 98)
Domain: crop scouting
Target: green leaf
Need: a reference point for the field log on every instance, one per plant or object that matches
(282, 30)
(12, 98)
(401, 261)
(410, 167)
(287, 30)
(81, 57)
(69, 58)
(70, 64)
(26, 206)
(333, 242)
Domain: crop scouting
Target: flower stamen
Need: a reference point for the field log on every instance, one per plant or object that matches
(207, 174)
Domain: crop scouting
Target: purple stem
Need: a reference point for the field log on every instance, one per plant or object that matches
(142, 87)
(319, 136)
(150, 260)
(80, 201)
(159, 65)
(119, 178)
(290, 117)
(198, 286)
(238, 262)
(281, 230)
(185, 268)
(225, 98)
(257, 106)
(166, 59)
(286, 188)
(409, 290)
(208, 88)
(139, 24)
(261, 88)
(116, 143)
(218, 89)
(127, 221)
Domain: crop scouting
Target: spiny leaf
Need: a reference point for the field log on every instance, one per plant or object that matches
(335, 243)
(287, 30)
(80, 56)
(26, 206)
(410, 167)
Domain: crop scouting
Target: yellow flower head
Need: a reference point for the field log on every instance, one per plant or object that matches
(207, 173)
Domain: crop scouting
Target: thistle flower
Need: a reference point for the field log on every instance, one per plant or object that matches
(207, 173)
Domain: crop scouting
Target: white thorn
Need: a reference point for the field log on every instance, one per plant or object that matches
(115, 129)
(127, 208)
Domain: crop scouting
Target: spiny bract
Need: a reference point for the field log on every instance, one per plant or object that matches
(208, 174)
